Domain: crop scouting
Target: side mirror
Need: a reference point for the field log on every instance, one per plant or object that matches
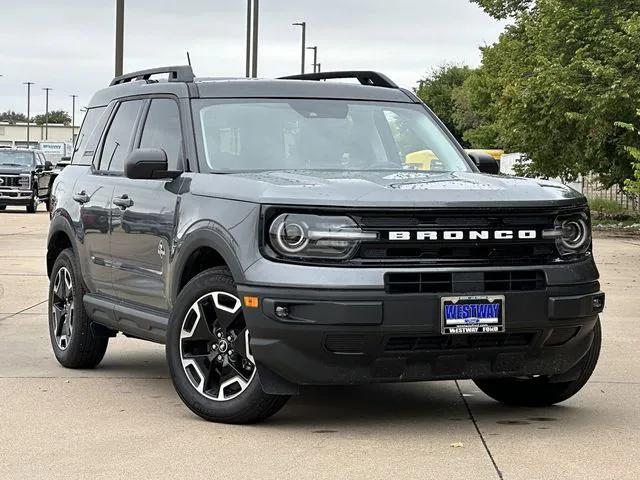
(148, 164)
(48, 165)
(485, 162)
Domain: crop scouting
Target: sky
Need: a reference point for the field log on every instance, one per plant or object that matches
(68, 45)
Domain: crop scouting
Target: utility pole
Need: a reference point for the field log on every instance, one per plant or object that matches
(119, 36)
(315, 58)
(304, 42)
(73, 118)
(46, 114)
(249, 26)
(28, 84)
(256, 9)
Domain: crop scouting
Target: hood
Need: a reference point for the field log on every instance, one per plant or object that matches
(384, 188)
(11, 170)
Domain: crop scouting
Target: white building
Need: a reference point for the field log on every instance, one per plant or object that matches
(16, 135)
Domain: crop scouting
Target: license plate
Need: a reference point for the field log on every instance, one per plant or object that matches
(469, 315)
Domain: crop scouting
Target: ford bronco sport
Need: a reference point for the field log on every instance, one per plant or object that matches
(273, 235)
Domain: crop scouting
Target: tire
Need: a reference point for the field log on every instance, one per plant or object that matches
(539, 391)
(72, 339)
(33, 203)
(206, 315)
(3, 207)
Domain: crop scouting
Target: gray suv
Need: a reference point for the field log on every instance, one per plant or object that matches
(282, 233)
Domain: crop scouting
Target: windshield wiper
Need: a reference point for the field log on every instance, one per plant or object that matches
(13, 164)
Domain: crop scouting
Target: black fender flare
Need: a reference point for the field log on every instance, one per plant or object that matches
(61, 223)
(202, 237)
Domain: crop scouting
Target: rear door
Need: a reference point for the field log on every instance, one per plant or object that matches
(144, 220)
(94, 192)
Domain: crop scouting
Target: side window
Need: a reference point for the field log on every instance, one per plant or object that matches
(119, 137)
(162, 130)
(91, 127)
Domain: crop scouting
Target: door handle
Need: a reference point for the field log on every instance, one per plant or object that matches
(81, 197)
(123, 202)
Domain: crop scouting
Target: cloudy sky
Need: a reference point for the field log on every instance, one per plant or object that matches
(68, 44)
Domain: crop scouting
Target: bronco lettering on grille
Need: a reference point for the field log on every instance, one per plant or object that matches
(465, 235)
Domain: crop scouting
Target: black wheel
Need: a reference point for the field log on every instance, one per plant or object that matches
(73, 341)
(209, 356)
(3, 207)
(33, 203)
(542, 391)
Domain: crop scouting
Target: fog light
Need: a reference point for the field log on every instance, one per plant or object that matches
(598, 303)
(282, 311)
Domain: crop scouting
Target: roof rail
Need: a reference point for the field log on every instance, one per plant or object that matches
(374, 79)
(178, 73)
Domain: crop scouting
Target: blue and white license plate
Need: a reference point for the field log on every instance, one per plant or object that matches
(476, 314)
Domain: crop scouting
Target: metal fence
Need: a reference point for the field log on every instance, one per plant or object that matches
(591, 188)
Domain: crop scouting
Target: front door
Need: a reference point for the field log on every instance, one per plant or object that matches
(144, 213)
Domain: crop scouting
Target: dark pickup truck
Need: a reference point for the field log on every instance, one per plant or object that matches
(25, 178)
(274, 234)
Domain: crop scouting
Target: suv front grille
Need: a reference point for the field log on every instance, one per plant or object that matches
(447, 282)
(489, 251)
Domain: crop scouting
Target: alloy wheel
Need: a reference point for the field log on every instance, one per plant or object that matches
(214, 347)
(62, 308)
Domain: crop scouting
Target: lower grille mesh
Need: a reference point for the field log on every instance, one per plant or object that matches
(446, 282)
(452, 342)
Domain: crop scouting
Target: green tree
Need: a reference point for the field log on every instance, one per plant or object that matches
(55, 116)
(12, 117)
(474, 110)
(502, 9)
(560, 83)
(437, 90)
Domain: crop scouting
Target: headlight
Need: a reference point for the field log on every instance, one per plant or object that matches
(572, 234)
(25, 180)
(302, 236)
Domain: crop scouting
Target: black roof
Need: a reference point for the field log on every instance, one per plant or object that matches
(181, 83)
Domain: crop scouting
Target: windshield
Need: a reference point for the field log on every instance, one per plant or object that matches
(18, 159)
(303, 134)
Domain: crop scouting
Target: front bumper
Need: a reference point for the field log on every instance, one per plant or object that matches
(15, 197)
(343, 337)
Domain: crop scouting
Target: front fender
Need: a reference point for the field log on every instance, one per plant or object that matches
(207, 233)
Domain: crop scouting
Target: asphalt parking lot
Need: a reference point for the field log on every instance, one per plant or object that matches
(124, 420)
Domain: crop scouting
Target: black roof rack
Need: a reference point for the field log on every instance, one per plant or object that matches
(178, 73)
(374, 79)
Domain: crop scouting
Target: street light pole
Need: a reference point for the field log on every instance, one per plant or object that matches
(315, 58)
(248, 59)
(73, 117)
(304, 42)
(256, 8)
(46, 114)
(119, 36)
(28, 84)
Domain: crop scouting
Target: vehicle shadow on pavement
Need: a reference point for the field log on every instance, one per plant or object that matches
(431, 403)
